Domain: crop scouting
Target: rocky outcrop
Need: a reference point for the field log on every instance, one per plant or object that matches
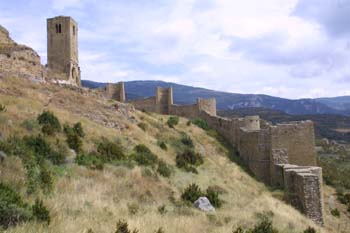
(18, 60)
(4, 36)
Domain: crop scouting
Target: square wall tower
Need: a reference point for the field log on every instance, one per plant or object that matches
(62, 48)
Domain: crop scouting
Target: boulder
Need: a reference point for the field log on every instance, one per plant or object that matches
(204, 204)
(2, 156)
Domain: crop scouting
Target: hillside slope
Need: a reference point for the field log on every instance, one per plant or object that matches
(84, 199)
(187, 95)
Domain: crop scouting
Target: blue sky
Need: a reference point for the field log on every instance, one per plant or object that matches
(286, 48)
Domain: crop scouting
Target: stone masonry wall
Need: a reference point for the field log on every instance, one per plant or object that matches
(298, 139)
(164, 99)
(114, 91)
(207, 105)
(188, 111)
(278, 157)
(147, 104)
(255, 151)
(281, 155)
(303, 186)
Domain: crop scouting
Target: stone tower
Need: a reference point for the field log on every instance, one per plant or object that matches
(62, 48)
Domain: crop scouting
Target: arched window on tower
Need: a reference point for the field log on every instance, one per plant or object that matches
(59, 28)
(73, 30)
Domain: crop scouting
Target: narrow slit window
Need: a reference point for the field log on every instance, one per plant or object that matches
(73, 30)
(59, 28)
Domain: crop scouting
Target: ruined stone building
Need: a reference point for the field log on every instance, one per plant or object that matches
(62, 42)
(62, 48)
(281, 156)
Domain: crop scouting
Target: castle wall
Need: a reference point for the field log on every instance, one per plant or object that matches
(278, 155)
(188, 111)
(298, 139)
(228, 128)
(255, 151)
(147, 104)
(114, 91)
(303, 186)
(207, 105)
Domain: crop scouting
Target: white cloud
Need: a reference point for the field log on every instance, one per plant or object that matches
(63, 4)
(249, 46)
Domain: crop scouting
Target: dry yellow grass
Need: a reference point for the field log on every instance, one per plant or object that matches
(86, 199)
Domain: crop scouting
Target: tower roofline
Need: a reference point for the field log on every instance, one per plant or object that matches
(63, 17)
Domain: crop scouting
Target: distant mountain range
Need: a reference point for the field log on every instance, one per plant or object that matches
(225, 101)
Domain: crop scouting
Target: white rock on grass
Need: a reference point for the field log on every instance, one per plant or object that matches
(204, 204)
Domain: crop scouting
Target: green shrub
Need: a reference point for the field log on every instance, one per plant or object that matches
(335, 212)
(213, 197)
(163, 169)
(144, 156)
(49, 123)
(12, 209)
(43, 150)
(239, 230)
(264, 226)
(40, 212)
(188, 123)
(143, 126)
(200, 123)
(74, 135)
(172, 121)
(110, 151)
(187, 141)
(343, 198)
(123, 227)
(192, 193)
(188, 160)
(13, 145)
(45, 178)
(91, 160)
(162, 145)
(310, 230)
(133, 208)
(30, 125)
(160, 230)
(2, 108)
(78, 128)
(162, 209)
(33, 175)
